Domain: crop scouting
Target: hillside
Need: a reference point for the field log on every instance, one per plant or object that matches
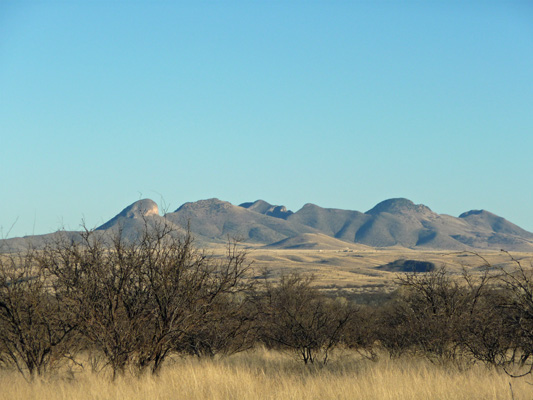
(393, 222)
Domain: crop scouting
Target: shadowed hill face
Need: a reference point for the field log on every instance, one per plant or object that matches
(203, 207)
(262, 207)
(487, 220)
(386, 229)
(217, 220)
(398, 222)
(408, 266)
(341, 224)
(399, 206)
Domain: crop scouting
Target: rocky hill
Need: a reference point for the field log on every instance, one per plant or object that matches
(393, 222)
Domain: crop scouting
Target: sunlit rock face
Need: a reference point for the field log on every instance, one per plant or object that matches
(141, 208)
(136, 211)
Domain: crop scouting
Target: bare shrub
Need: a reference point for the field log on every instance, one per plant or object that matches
(33, 327)
(100, 287)
(188, 289)
(360, 333)
(229, 327)
(489, 333)
(297, 317)
(136, 300)
(433, 314)
(517, 306)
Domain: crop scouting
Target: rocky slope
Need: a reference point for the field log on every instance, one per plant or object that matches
(393, 222)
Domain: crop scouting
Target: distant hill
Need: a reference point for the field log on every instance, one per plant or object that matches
(133, 213)
(315, 241)
(482, 219)
(134, 219)
(215, 221)
(265, 208)
(393, 222)
(407, 266)
(340, 224)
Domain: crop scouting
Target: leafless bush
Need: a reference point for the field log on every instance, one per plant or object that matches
(135, 300)
(517, 306)
(33, 328)
(297, 317)
(489, 334)
(360, 333)
(100, 288)
(433, 314)
(229, 327)
(188, 289)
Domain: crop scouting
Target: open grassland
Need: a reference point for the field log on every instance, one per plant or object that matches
(271, 375)
(408, 326)
(355, 269)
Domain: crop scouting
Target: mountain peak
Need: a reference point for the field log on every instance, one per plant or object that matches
(213, 204)
(207, 206)
(310, 206)
(393, 222)
(139, 209)
(488, 220)
(259, 206)
(474, 212)
(262, 207)
(398, 206)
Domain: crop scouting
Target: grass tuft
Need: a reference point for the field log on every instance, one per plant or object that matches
(263, 374)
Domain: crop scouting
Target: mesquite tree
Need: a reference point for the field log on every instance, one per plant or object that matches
(34, 330)
(297, 317)
(137, 299)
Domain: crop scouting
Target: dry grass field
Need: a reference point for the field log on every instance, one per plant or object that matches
(262, 374)
(353, 269)
(265, 375)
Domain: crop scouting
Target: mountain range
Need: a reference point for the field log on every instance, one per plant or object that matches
(393, 222)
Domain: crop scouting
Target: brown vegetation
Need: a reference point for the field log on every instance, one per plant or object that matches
(121, 305)
(35, 331)
(297, 317)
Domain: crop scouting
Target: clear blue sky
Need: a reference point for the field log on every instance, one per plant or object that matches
(338, 103)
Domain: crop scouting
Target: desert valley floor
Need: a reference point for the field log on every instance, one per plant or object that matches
(357, 269)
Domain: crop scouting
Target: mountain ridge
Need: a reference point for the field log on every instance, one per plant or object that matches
(392, 222)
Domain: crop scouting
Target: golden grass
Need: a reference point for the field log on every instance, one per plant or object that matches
(355, 270)
(270, 375)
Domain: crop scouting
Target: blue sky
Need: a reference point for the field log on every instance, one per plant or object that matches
(338, 103)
